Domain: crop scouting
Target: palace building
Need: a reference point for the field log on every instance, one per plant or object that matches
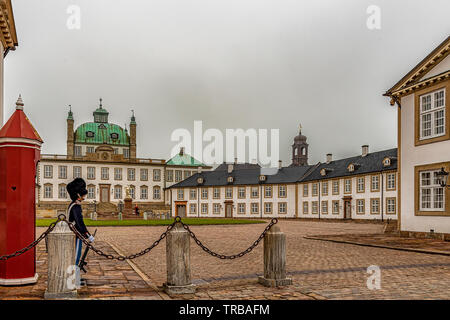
(422, 97)
(359, 187)
(104, 155)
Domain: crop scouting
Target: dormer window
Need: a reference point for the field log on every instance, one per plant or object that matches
(102, 126)
(323, 172)
(114, 136)
(200, 180)
(351, 167)
(230, 179)
(262, 178)
(386, 162)
(89, 134)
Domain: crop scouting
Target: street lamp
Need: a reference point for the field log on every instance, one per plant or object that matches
(442, 177)
(120, 205)
(95, 206)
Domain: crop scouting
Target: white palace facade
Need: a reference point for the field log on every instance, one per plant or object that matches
(360, 187)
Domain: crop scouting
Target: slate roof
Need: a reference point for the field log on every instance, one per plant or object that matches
(372, 162)
(244, 177)
(238, 166)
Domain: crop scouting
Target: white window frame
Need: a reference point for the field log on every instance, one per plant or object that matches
(433, 109)
(77, 172)
(435, 191)
(62, 172)
(91, 192)
(117, 192)
(390, 181)
(144, 192)
(105, 173)
(216, 208)
(62, 193)
(117, 173)
(156, 193)
(48, 171)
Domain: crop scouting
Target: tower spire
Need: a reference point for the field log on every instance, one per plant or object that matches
(19, 103)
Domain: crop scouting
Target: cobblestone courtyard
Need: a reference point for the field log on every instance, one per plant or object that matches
(319, 269)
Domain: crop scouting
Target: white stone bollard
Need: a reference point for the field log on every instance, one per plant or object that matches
(178, 262)
(274, 259)
(94, 216)
(120, 215)
(145, 216)
(61, 259)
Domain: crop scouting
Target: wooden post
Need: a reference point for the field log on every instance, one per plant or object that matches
(274, 259)
(178, 262)
(61, 260)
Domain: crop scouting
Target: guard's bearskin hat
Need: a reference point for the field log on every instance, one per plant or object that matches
(76, 188)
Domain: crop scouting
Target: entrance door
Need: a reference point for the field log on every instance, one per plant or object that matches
(229, 210)
(347, 210)
(181, 211)
(104, 194)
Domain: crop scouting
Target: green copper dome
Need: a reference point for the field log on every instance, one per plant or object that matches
(102, 133)
(183, 159)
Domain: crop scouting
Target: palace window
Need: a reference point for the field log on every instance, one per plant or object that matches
(62, 193)
(192, 194)
(144, 192)
(156, 175)
(48, 172)
(390, 181)
(105, 173)
(431, 192)
(347, 186)
(255, 208)
(216, 193)
(315, 207)
(126, 153)
(375, 206)
(216, 208)
(335, 206)
(229, 193)
(178, 175)
(314, 189)
(205, 193)
(76, 172)
(268, 192)
(62, 172)
(305, 190)
(131, 174)
(180, 194)
(90, 134)
(193, 208)
(282, 207)
(133, 192)
(241, 208)
(117, 173)
(361, 184)
(91, 192)
(325, 188)
(360, 208)
(305, 207)
(89, 149)
(432, 114)
(156, 192)
(324, 207)
(204, 208)
(91, 173)
(375, 183)
(77, 151)
(241, 192)
(169, 177)
(48, 191)
(114, 136)
(117, 192)
(268, 207)
(255, 192)
(116, 150)
(391, 205)
(335, 187)
(187, 174)
(144, 174)
(282, 191)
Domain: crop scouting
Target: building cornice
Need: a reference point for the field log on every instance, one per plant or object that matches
(8, 35)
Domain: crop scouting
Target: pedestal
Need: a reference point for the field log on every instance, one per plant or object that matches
(128, 206)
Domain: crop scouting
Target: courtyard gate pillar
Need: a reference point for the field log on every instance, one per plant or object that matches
(274, 259)
(178, 262)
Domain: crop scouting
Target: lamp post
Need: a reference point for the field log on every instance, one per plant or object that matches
(442, 177)
(120, 205)
(95, 206)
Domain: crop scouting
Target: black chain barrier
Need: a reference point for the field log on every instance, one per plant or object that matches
(31, 245)
(62, 217)
(222, 256)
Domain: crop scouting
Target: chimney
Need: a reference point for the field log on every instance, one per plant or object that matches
(365, 150)
(329, 157)
(280, 164)
(230, 168)
(199, 169)
(181, 151)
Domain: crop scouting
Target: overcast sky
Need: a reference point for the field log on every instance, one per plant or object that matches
(231, 63)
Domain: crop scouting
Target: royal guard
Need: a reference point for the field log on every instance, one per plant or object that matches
(20, 149)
